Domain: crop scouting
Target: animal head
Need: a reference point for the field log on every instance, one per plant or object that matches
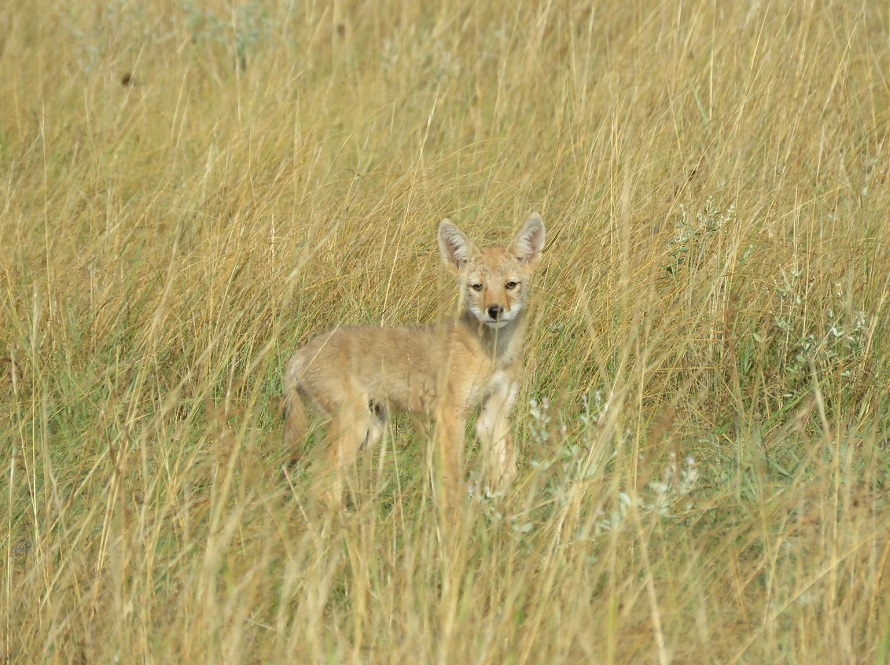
(494, 280)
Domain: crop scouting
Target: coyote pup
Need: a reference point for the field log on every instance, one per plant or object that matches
(353, 376)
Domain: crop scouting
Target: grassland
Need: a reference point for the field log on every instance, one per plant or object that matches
(188, 191)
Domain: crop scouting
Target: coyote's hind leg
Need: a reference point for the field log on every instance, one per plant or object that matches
(356, 426)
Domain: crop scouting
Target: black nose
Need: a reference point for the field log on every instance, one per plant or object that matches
(495, 312)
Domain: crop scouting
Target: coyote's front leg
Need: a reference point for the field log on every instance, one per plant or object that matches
(451, 420)
(493, 430)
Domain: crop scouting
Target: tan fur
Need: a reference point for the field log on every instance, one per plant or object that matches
(354, 376)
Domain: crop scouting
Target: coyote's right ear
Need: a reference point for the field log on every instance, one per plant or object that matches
(456, 248)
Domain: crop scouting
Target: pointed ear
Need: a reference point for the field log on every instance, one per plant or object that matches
(529, 242)
(456, 248)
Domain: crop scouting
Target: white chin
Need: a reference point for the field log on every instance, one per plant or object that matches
(496, 324)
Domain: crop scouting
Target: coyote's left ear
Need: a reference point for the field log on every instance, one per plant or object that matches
(529, 242)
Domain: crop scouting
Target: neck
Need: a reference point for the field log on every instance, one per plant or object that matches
(502, 343)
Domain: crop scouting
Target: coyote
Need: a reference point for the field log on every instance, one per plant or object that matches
(354, 375)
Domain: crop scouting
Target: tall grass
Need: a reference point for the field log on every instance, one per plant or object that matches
(189, 190)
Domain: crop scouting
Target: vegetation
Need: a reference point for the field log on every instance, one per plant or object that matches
(190, 190)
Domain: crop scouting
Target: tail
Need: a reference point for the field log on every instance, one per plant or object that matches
(295, 422)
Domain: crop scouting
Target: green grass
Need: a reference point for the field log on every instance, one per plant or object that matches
(189, 191)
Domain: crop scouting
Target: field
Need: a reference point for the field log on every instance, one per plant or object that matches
(190, 190)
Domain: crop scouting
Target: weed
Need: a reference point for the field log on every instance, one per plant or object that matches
(702, 430)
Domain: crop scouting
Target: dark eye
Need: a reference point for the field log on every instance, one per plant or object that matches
(511, 285)
(476, 287)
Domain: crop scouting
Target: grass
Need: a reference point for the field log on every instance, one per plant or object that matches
(188, 192)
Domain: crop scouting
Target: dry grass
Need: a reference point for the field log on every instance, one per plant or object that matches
(187, 193)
